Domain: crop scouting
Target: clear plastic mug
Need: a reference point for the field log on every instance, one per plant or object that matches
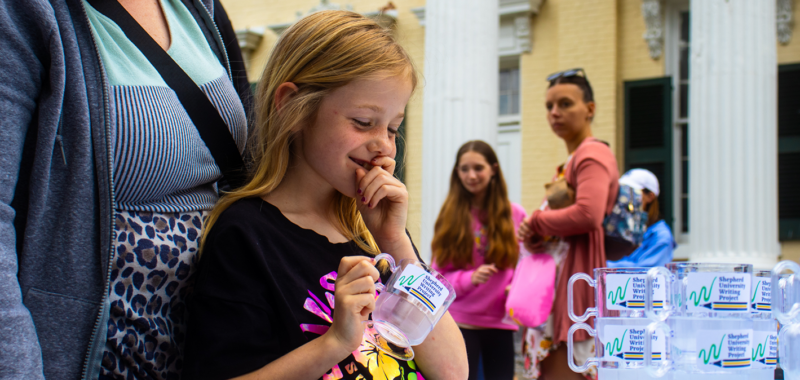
(703, 347)
(619, 344)
(764, 359)
(789, 351)
(709, 289)
(409, 306)
(628, 374)
(786, 293)
(619, 293)
(765, 344)
(786, 309)
(761, 299)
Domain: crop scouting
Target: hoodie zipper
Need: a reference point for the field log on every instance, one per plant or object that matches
(110, 160)
(217, 35)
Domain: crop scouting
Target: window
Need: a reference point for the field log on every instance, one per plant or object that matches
(400, 157)
(509, 91)
(682, 121)
(677, 62)
(789, 152)
(648, 135)
(509, 146)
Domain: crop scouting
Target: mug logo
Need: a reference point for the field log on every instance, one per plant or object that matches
(755, 293)
(408, 280)
(733, 351)
(714, 350)
(705, 294)
(619, 293)
(760, 350)
(765, 302)
(616, 346)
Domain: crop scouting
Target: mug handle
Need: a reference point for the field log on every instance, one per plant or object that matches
(778, 293)
(666, 364)
(592, 311)
(668, 307)
(392, 267)
(590, 362)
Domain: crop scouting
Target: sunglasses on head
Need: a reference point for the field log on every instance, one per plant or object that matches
(566, 74)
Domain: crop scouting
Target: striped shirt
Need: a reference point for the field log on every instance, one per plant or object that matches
(161, 163)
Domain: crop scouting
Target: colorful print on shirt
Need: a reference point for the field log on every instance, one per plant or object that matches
(367, 362)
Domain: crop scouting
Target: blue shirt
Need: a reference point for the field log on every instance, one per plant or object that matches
(656, 249)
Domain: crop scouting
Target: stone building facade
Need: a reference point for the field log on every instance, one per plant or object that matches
(704, 93)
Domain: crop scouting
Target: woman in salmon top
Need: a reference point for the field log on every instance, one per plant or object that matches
(591, 170)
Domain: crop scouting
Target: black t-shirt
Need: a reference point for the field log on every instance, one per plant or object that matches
(264, 288)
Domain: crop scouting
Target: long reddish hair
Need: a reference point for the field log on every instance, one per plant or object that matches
(453, 240)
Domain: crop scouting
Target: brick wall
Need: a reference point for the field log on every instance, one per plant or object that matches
(566, 34)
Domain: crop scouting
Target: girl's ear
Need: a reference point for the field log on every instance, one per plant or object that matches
(494, 169)
(285, 91)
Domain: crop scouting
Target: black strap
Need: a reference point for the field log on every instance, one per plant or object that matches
(213, 130)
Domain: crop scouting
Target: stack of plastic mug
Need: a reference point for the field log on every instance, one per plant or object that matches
(786, 309)
(764, 357)
(712, 330)
(620, 322)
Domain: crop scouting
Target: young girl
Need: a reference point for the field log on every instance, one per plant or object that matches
(475, 247)
(286, 278)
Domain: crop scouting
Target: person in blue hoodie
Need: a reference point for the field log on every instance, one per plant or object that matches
(658, 243)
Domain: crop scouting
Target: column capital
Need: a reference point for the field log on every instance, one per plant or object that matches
(385, 16)
(654, 35)
(784, 20)
(249, 39)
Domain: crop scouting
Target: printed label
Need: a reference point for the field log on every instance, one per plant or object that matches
(725, 349)
(765, 349)
(729, 292)
(626, 291)
(626, 343)
(418, 283)
(762, 294)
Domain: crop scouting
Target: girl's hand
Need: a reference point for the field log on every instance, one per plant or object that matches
(524, 231)
(483, 273)
(534, 244)
(354, 298)
(384, 201)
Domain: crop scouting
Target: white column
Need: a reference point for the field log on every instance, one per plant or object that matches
(733, 132)
(460, 95)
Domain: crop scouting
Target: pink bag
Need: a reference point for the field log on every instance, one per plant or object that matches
(530, 298)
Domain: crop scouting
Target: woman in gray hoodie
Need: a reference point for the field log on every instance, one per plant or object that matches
(104, 183)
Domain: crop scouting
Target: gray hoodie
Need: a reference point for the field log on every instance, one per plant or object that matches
(56, 188)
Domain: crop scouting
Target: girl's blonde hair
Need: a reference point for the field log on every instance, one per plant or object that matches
(320, 53)
(453, 239)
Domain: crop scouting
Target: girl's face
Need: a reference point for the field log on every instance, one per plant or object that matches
(355, 124)
(567, 113)
(475, 172)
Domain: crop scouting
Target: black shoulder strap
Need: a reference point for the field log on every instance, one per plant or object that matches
(213, 130)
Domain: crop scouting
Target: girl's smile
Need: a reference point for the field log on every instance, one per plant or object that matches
(364, 164)
(354, 128)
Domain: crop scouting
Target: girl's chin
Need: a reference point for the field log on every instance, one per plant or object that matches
(351, 193)
(561, 133)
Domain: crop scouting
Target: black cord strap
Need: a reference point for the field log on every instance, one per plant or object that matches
(213, 130)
